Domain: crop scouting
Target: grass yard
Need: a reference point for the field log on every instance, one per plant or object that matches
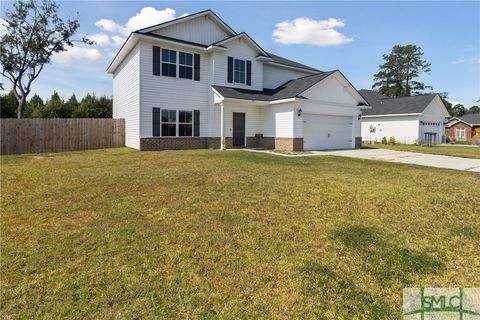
(120, 234)
(453, 151)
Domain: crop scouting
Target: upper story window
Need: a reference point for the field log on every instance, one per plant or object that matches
(169, 63)
(239, 71)
(165, 63)
(185, 65)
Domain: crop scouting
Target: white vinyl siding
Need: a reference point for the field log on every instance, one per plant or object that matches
(276, 76)
(404, 129)
(253, 121)
(173, 93)
(199, 30)
(126, 93)
(238, 49)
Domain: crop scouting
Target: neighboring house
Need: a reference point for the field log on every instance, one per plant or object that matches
(416, 119)
(194, 82)
(464, 129)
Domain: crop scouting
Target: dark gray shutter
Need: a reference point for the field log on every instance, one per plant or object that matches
(156, 61)
(196, 67)
(156, 122)
(230, 70)
(249, 73)
(196, 123)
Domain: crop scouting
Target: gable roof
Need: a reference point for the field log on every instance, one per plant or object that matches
(241, 35)
(382, 105)
(471, 118)
(283, 61)
(290, 89)
(208, 12)
(147, 33)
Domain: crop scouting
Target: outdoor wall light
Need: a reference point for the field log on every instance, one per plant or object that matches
(299, 112)
(359, 116)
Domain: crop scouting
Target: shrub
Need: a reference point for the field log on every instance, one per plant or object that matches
(392, 141)
(384, 140)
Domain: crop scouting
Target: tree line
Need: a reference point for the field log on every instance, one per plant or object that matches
(56, 107)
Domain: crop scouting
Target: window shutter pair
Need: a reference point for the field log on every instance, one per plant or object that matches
(156, 61)
(156, 122)
(230, 71)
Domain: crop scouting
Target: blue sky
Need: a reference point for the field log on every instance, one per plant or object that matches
(447, 32)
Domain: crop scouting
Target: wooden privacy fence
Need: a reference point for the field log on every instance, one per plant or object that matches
(57, 135)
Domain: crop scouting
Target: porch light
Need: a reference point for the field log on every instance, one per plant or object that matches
(299, 112)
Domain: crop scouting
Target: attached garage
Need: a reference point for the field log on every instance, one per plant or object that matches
(324, 132)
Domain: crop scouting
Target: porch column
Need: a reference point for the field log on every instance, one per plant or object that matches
(222, 135)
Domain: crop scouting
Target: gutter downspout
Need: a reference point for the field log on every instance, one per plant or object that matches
(222, 137)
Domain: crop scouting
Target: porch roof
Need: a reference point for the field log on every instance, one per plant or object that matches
(290, 89)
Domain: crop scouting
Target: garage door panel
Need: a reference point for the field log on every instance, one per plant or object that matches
(323, 132)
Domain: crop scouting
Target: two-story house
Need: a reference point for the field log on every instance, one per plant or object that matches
(194, 82)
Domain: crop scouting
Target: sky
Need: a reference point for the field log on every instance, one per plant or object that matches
(349, 36)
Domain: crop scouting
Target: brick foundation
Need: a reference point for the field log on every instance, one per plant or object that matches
(177, 143)
(284, 144)
(163, 143)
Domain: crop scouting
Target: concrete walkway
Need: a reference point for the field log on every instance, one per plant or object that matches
(422, 159)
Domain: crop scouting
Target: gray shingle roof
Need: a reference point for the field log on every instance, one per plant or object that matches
(290, 89)
(290, 63)
(471, 118)
(383, 105)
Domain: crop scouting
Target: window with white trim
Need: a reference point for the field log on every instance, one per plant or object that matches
(461, 133)
(177, 123)
(169, 63)
(185, 65)
(239, 71)
(169, 123)
(185, 123)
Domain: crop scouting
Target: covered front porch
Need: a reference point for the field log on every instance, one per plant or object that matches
(255, 124)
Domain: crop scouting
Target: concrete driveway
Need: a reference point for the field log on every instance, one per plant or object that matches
(423, 159)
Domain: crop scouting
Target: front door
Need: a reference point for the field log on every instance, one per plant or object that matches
(238, 129)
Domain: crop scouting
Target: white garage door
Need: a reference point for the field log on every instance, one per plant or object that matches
(322, 132)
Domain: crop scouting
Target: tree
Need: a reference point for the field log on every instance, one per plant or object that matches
(55, 108)
(474, 109)
(93, 107)
(72, 105)
(458, 110)
(8, 105)
(34, 32)
(397, 74)
(34, 107)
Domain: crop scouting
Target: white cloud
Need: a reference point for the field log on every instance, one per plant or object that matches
(81, 53)
(118, 40)
(454, 103)
(100, 39)
(147, 17)
(108, 25)
(467, 61)
(308, 31)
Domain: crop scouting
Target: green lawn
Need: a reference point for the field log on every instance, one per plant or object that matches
(120, 234)
(454, 151)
